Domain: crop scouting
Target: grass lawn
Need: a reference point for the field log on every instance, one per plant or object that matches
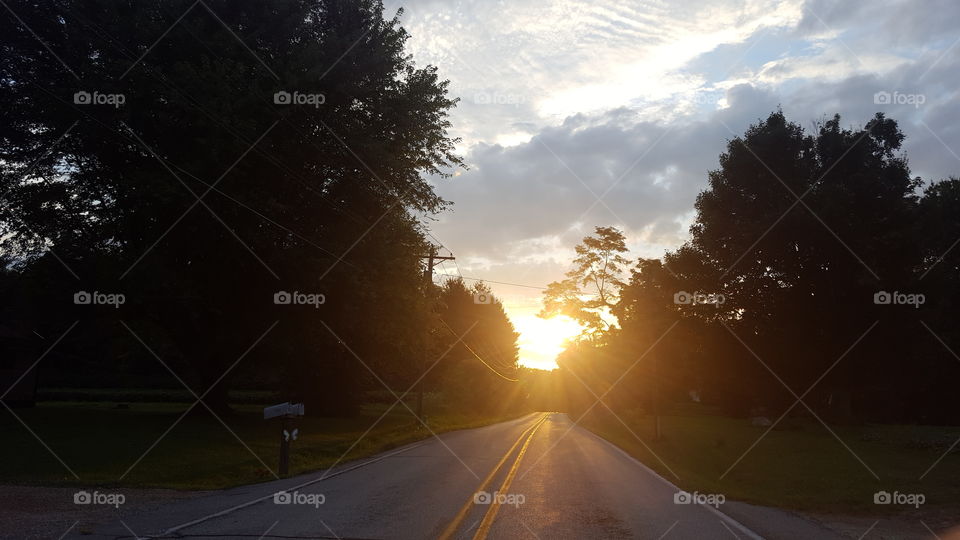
(100, 441)
(801, 466)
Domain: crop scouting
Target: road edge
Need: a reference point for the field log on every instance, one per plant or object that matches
(723, 516)
(381, 457)
(363, 462)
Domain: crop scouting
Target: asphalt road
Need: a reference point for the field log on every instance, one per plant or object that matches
(551, 479)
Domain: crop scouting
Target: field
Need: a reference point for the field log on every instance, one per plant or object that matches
(100, 441)
(800, 465)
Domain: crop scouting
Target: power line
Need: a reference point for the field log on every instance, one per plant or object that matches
(507, 283)
(444, 267)
(437, 240)
(501, 282)
(502, 376)
(457, 265)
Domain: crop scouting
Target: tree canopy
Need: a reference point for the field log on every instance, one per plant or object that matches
(789, 285)
(204, 160)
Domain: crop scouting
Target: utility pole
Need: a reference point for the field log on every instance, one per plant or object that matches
(432, 260)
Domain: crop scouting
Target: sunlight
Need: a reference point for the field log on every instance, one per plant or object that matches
(541, 340)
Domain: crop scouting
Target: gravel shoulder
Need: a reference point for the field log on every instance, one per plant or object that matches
(35, 512)
(938, 523)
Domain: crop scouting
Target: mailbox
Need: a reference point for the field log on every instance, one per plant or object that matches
(283, 409)
(286, 412)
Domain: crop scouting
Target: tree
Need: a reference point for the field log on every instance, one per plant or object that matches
(798, 231)
(206, 195)
(480, 371)
(932, 369)
(592, 287)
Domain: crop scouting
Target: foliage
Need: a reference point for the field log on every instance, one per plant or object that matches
(773, 297)
(478, 345)
(592, 287)
(201, 196)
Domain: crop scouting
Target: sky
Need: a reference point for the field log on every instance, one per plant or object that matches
(582, 114)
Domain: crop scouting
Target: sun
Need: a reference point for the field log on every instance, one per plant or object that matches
(541, 340)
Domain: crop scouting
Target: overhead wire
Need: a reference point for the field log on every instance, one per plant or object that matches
(484, 362)
(503, 282)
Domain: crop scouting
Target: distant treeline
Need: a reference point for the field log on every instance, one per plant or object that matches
(817, 268)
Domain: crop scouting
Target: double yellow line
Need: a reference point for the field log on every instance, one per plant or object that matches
(488, 518)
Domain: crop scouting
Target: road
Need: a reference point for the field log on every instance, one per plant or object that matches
(553, 480)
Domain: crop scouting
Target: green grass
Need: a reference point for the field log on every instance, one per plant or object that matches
(148, 395)
(799, 465)
(100, 442)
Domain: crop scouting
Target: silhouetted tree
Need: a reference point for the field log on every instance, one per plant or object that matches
(476, 370)
(793, 238)
(806, 229)
(593, 285)
(203, 193)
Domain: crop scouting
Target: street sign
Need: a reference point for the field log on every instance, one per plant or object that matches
(283, 409)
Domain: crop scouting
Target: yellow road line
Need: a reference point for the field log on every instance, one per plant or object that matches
(487, 522)
(452, 527)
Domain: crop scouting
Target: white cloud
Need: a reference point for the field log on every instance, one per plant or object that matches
(565, 101)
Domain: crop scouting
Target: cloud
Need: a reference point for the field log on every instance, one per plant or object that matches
(609, 168)
(540, 62)
(564, 102)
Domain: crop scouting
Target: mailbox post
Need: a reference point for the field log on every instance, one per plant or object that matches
(286, 412)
